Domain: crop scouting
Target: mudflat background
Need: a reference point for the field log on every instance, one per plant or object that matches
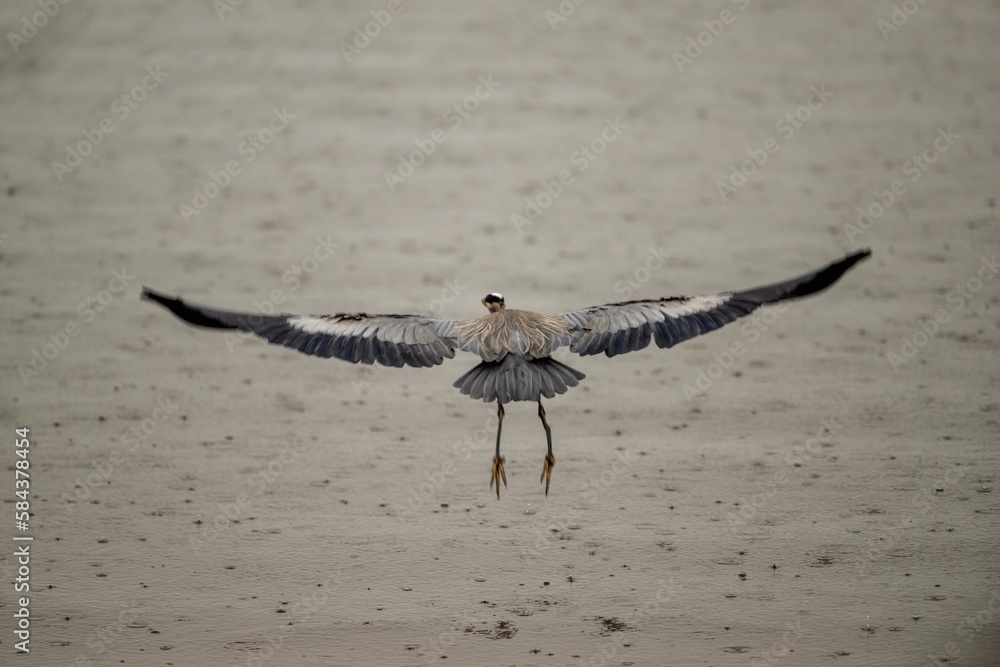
(201, 499)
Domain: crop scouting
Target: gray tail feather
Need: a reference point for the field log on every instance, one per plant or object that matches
(518, 379)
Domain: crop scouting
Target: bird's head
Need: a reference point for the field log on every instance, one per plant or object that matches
(493, 301)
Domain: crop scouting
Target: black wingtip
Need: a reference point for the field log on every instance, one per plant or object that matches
(807, 284)
(829, 275)
(148, 294)
(183, 311)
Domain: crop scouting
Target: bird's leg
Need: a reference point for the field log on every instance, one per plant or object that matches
(550, 460)
(498, 471)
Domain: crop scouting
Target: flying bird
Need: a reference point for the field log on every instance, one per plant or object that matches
(515, 345)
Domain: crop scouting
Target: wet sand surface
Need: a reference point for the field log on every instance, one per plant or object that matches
(824, 496)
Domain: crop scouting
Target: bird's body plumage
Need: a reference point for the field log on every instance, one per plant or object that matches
(518, 332)
(515, 345)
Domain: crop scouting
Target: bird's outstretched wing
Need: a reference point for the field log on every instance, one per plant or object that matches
(617, 328)
(391, 340)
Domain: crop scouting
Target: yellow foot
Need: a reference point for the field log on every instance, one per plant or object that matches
(498, 474)
(547, 466)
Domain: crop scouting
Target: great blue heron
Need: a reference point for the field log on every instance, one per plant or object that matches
(515, 345)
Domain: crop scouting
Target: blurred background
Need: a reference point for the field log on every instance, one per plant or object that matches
(398, 157)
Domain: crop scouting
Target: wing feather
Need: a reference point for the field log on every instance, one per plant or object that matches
(502, 384)
(617, 328)
(478, 383)
(390, 340)
(547, 388)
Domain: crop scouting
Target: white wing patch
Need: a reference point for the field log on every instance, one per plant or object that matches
(696, 304)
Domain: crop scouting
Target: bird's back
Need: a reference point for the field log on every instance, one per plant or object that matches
(518, 332)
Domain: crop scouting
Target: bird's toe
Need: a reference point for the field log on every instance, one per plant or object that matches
(547, 466)
(498, 474)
